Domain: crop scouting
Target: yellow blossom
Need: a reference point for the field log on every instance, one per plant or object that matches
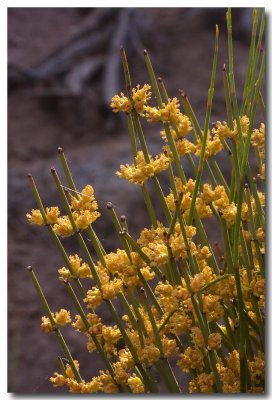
(221, 130)
(94, 297)
(197, 336)
(63, 227)
(84, 218)
(69, 372)
(192, 358)
(203, 383)
(63, 317)
(135, 384)
(257, 286)
(212, 307)
(52, 214)
(80, 270)
(35, 218)
(229, 213)
(139, 172)
(151, 353)
(58, 380)
(84, 200)
(213, 146)
(46, 325)
(214, 341)
(140, 97)
(120, 103)
(120, 374)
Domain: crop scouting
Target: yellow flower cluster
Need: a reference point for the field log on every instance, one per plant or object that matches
(222, 131)
(61, 318)
(213, 146)
(119, 265)
(141, 170)
(80, 269)
(102, 383)
(258, 140)
(136, 385)
(140, 97)
(203, 383)
(153, 243)
(192, 358)
(35, 218)
(85, 213)
(193, 294)
(170, 113)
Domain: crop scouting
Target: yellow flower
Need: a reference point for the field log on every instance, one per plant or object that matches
(213, 146)
(212, 307)
(35, 218)
(81, 270)
(84, 218)
(221, 130)
(63, 317)
(244, 122)
(151, 353)
(120, 374)
(169, 347)
(139, 172)
(169, 113)
(52, 214)
(120, 103)
(140, 97)
(85, 200)
(197, 336)
(257, 286)
(106, 382)
(126, 358)
(46, 325)
(214, 341)
(63, 227)
(135, 384)
(203, 383)
(69, 371)
(58, 380)
(94, 297)
(229, 213)
(111, 288)
(192, 358)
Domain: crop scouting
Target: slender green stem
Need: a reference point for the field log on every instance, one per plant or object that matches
(227, 98)
(55, 327)
(132, 136)
(167, 318)
(232, 81)
(53, 234)
(118, 228)
(250, 58)
(253, 232)
(87, 326)
(149, 206)
(62, 367)
(205, 133)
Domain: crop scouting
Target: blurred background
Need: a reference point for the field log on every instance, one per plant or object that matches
(63, 68)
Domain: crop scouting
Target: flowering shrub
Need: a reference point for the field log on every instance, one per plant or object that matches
(186, 301)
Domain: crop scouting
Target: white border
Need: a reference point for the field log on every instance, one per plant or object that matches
(3, 144)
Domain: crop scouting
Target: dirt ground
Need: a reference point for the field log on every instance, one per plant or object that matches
(43, 116)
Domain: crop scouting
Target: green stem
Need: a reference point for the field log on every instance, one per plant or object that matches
(205, 133)
(87, 326)
(55, 327)
(53, 234)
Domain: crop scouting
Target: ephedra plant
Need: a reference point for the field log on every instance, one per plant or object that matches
(190, 307)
